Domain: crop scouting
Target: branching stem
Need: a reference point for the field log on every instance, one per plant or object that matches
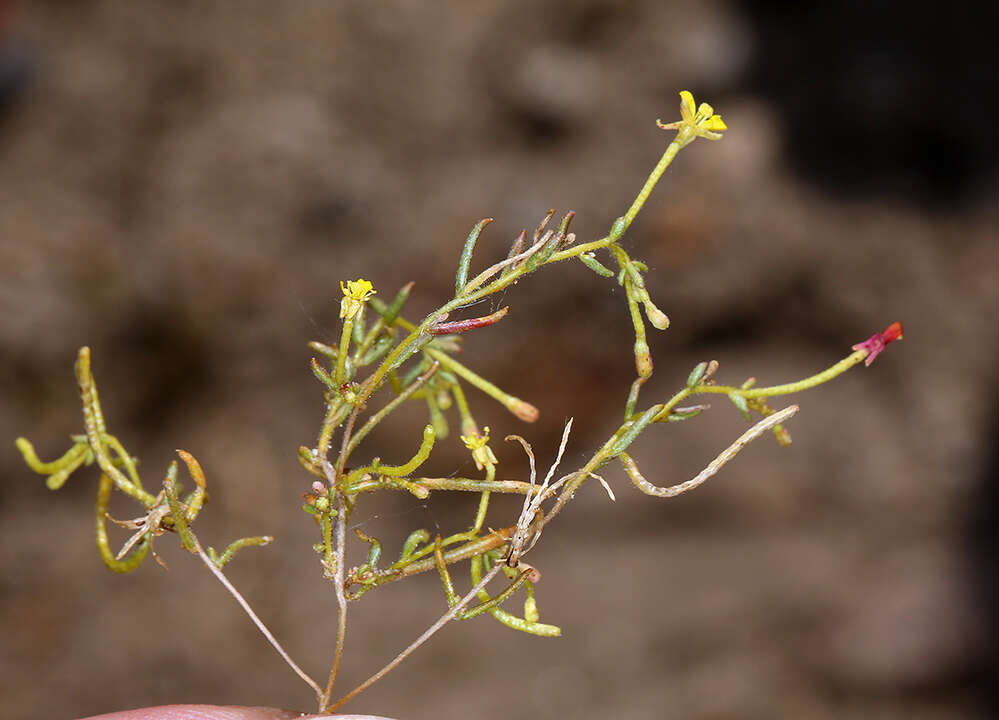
(427, 634)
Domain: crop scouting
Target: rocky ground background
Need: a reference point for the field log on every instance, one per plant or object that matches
(183, 185)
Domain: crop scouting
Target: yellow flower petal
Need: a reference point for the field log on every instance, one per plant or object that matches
(481, 452)
(359, 289)
(714, 123)
(355, 294)
(474, 442)
(698, 121)
(687, 106)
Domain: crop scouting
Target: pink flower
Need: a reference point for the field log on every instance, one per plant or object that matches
(876, 342)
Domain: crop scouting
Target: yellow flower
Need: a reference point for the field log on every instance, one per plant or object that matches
(355, 294)
(481, 453)
(697, 121)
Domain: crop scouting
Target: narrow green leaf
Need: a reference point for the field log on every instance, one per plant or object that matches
(634, 429)
(740, 402)
(321, 375)
(380, 348)
(461, 277)
(696, 374)
(678, 415)
(595, 265)
(618, 228)
(415, 538)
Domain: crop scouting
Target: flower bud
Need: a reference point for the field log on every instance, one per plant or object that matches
(643, 360)
(657, 318)
(524, 410)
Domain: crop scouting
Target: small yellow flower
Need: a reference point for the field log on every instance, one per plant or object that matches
(355, 294)
(697, 121)
(481, 453)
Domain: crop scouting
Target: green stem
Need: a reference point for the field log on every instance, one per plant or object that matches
(468, 424)
(480, 515)
(341, 358)
(395, 403)
(520, 408)
(100, 521)
(517, 487)
(336, 411)
(773, 390)
(398, 470)
(93, 421)
(650, 183)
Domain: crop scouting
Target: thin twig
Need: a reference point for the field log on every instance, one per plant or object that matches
(444, 619)
(256, 620)
(714, 466)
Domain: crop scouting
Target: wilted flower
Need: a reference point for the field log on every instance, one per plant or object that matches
(876, 342)
(481, 453)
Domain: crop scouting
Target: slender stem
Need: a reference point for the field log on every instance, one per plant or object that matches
(491, 604)
(650, 183)
(256, 621)
(522, 409)
(602, 456)
(93, 421)
(341, 358)
(395, 403)
(480, 516)
(100, 516)
(451, 483)
(643, 359)
(786, 389)
(580, 249)
(330, 422)
(341, 598)
(468, 426)
(763, 392)
(374, 381)
(430, 631)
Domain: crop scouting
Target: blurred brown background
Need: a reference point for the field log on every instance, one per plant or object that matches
(184, 184)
